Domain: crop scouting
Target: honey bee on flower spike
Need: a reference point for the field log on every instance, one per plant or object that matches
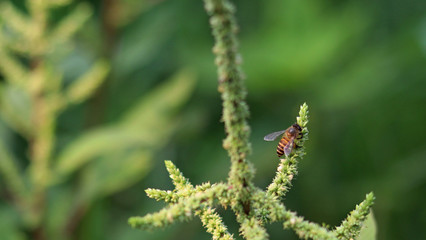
(286, 144)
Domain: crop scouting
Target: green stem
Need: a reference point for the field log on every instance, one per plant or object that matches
(252, 206)
(351, 226)
(287, 168)
(233, 92)
(180, 211)
(274, 211)
(252, 228)
(209, 217)
(43, 120)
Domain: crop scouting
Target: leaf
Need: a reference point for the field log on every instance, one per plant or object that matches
(369, 230)
(291, 50)
(13, 71)
(153, 119)
(146, 126)
(70, 24)
(99, 142)
(15, 108)
(60, 211)
(9, 224)
(113, 173)
(84, 87)
(160, 104)
(15, 19)
(142, 44)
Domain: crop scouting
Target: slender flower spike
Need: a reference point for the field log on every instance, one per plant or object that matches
(287, 168)
(302, 120)
(179, 180)
(253, 207)
(167, 196)
(185, 196)
(351, 226)
(180, 211)
(214, 225)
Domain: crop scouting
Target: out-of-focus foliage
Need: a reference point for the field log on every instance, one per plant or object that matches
(360, 65)
(369, 230)
(52, 188)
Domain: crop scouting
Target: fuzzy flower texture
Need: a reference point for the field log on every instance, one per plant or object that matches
(187, 201)
(253, 207)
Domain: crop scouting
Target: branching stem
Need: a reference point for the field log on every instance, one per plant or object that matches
(252, 206)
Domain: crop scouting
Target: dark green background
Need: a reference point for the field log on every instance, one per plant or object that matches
(359, 65)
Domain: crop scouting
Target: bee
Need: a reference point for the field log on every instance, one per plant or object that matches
(286, 144)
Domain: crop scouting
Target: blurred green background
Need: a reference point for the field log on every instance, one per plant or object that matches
(360, 66)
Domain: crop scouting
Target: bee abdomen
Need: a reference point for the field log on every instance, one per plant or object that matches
(280, 148)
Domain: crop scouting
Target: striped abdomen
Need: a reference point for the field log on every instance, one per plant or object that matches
(282, 144)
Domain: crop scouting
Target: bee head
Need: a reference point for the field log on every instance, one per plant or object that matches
(297, 127)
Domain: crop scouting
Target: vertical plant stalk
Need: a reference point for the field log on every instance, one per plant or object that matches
(233, 93)
(41, 147)
(252, 206)
(43, 120)
(35, 40)
(235, 115)
(287, 168)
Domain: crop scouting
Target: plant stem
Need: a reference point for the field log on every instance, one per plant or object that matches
(233, 93)
(43, 120)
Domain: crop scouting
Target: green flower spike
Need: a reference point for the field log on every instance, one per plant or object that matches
(252, 206)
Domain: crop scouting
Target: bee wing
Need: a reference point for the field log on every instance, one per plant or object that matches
(289, 147)
(272, 136)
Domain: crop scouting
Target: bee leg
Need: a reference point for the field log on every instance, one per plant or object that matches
(297, 146)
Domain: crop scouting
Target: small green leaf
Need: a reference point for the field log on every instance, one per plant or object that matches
(14, 72)
(84, 87)
(151, 122)
(141, 45)
(70, 24)
(9, 224)
(15, 108)
(15, 18)
(162, 103)
(60, 211)
(369, 229)
(97, 143)
(113, 173)
(146, 126)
